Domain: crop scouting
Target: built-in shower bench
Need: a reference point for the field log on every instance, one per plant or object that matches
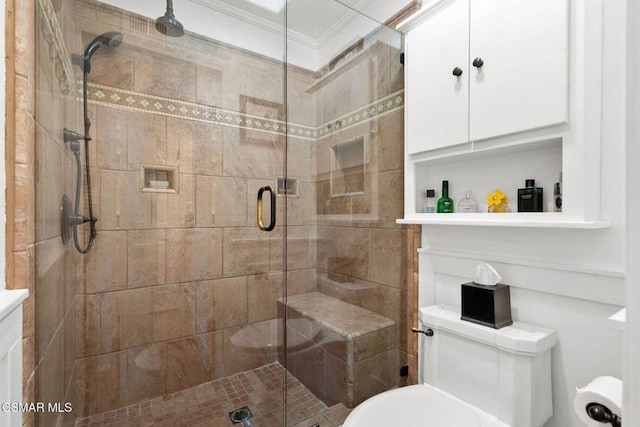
(340, 351)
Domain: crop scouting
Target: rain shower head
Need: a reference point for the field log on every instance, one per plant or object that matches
(168, 24)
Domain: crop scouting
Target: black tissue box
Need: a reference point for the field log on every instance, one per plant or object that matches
(486, 305)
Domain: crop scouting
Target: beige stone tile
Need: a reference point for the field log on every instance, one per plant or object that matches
(164, 75)
(110, 379)
(263, 293)
(301, 104)
(301, 281)
(106, 263)
(368, 345)
(126, 319)
(351, 252)
(123, 205)
(91, 329)
(388, 257)
(171, 210)
(180, 144)
(50, 298)
(109, 133)
(85, 385)
(387, 142)
(49, 190)
(50, 375)
(337, 414)
(174, 311)
(374, 375)
(207, 149)
(246, 251)
(221, 201)
(248, 347)
(146, 255)
(301, 210)
(194, 360)
(306, 361)
(194, 254)
(337, 387)
(146, 372)
(221, 304)
(69, 342)
(146, 140)
(301, 247)
(209, 86)
(245, 157)
(112, 67)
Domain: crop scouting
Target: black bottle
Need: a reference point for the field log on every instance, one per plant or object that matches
(530, 197)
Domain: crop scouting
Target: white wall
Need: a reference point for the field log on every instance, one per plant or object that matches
(632, 333)
(567, 280)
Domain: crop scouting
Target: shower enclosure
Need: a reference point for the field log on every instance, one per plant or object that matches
(247, 267)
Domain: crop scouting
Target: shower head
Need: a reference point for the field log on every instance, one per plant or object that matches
(168, 24)
(112, 39)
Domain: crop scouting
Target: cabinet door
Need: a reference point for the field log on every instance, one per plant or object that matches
(437, 102)
(523, 82)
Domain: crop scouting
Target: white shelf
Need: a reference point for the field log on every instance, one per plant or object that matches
(526, 220)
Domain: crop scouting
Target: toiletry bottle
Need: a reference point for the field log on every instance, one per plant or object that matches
(445, 204)
(557, 195)
(430, 201)
(530, 197)
(467, 205)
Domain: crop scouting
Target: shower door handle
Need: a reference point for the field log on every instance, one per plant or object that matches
(272, 223)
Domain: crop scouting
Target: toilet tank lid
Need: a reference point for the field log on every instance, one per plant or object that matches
(519, 338)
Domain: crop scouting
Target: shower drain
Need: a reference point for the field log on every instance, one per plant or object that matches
(240, 415)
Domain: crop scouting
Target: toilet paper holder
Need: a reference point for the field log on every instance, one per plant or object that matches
(602, 414)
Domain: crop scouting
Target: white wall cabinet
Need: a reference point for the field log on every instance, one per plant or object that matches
(484, 68)
(532, 110)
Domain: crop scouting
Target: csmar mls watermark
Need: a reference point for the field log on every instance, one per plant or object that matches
(36, 407)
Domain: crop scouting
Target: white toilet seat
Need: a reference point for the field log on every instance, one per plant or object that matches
(418, 406)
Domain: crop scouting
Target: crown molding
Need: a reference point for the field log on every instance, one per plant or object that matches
(257, 21)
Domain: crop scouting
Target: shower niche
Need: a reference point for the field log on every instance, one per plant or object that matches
(158, 179)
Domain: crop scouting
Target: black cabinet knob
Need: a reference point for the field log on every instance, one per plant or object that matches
(457, 71)
(478, 62)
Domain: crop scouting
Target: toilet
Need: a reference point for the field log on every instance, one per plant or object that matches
(472, 376)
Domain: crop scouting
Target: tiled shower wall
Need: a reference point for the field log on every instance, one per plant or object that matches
(361, 250)
(181, 287)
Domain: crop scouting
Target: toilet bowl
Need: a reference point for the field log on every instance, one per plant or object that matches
(419, 406)
(473, 376)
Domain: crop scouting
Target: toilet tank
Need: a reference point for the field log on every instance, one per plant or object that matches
(505, 372)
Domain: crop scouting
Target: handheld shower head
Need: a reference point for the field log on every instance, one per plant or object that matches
(111, 39)
(168, 24)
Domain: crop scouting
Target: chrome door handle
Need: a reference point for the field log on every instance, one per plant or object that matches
(272, 223)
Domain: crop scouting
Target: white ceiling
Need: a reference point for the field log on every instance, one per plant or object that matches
(316, 29)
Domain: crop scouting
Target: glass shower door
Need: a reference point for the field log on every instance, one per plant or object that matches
(345, 321)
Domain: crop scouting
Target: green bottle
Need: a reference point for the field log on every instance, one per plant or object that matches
(445, 204)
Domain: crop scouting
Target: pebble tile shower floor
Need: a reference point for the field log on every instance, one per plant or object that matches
(208, 405)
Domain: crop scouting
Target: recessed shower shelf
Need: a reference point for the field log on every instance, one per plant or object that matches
(522, 220)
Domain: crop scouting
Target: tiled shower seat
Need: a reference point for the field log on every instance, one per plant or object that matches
(341, 352)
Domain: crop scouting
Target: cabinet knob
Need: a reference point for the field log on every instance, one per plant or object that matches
(457, 71)
(478, 62)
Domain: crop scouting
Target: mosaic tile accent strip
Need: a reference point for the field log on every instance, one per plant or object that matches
(208, 404)
(123, 99)
(58, 50)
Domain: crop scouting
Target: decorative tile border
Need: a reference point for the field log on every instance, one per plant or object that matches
(61, 57)
(127, 100)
